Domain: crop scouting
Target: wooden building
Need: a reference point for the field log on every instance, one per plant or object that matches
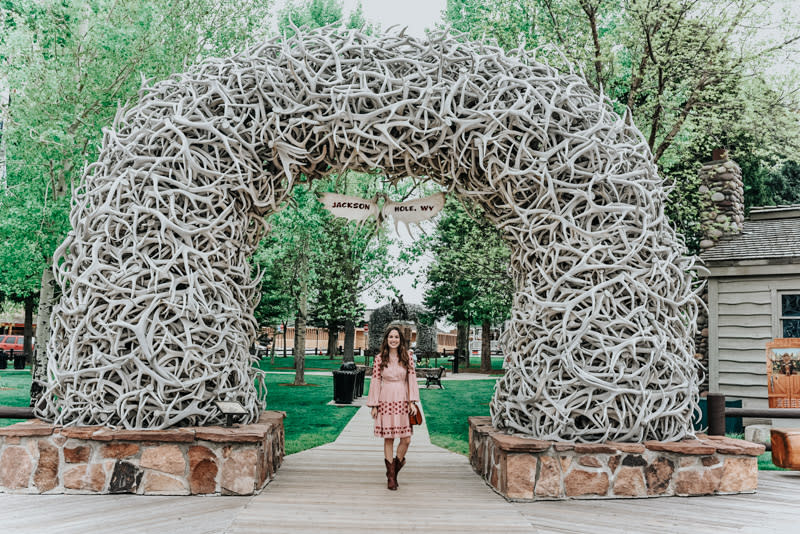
(753, 298)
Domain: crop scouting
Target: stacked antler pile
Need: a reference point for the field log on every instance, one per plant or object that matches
(157, 312)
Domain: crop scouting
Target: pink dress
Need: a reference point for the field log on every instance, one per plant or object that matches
(390, 391)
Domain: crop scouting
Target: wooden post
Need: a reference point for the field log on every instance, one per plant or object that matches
(716, 414)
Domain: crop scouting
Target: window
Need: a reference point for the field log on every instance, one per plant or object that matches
(790, 315)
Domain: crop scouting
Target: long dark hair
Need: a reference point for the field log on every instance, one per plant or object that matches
(402, 348)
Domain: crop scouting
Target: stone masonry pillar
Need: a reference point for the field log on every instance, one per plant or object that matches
(722, 193)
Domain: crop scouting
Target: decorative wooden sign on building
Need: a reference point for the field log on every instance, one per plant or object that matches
(783, 373)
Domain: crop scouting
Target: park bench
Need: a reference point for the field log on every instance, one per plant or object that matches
(434, 378)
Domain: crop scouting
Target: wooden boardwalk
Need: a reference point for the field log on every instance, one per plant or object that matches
(341, 487)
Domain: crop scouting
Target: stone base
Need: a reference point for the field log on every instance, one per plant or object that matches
(37, 457)
(523, 469)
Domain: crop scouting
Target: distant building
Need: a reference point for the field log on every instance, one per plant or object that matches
(753, 297)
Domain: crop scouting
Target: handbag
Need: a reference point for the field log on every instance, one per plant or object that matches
(415, 419)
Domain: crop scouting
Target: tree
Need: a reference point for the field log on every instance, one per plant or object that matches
(287, 256)
(319, 13)
(468, 279)
(351, 261)
(69, 65)
(681, 66)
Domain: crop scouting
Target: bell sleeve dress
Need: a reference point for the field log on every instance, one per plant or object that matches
(390, 392)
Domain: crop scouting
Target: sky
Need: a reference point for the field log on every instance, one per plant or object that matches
(417, 15)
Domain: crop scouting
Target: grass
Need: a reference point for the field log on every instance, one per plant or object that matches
(447, 410)
(309, 421)
(312, 363)
(15, 388)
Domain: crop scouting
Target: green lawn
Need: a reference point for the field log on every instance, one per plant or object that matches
(312, 363)
(309, 421)
(447, 411)
(15, 387)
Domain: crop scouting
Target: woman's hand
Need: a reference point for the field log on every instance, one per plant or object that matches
(374, 412)
(412, 408)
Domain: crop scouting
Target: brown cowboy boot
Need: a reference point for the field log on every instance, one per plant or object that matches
(391, 480)
(398, 465)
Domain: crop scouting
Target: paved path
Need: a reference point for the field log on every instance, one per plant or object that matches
(341, 487)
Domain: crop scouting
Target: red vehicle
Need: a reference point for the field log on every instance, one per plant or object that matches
(13, 342)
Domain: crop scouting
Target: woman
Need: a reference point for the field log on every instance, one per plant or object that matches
(393, 395)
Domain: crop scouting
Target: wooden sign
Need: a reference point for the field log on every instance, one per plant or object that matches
(351, 208)
(360, 209)
(783, 373)
(414, 211)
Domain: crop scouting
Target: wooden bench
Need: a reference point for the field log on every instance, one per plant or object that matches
(433, 377)
(786, 447)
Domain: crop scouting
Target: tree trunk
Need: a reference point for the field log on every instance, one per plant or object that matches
(299, 348)
(28, 330)
(462, 338)
(46, 303)
(349, 341)
(285, 329)
(333, 336)
(486, 346)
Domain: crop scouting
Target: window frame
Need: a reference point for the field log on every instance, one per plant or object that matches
(780, 315)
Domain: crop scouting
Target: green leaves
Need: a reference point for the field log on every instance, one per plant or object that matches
(69, 65)
(468, 279)
(692, 74)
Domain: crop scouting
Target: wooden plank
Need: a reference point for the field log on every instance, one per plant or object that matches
(358, 501)
(764, 269)
(757, 368)
(740, 391)
(771, 509)
(744, 320)
(759, 332)
(760, 297)
(756, 284)
(745, 308)
(744, 343)
(745, 355)
(340, 487)
(744, 379)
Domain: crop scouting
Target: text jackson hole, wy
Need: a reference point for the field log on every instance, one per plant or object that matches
(364, 206)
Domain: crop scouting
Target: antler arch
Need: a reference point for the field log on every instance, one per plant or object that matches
(156, 315)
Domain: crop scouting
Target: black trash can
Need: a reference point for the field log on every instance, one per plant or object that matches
(19, 360)
(359, 392)
(344, 383)
(3, 361)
